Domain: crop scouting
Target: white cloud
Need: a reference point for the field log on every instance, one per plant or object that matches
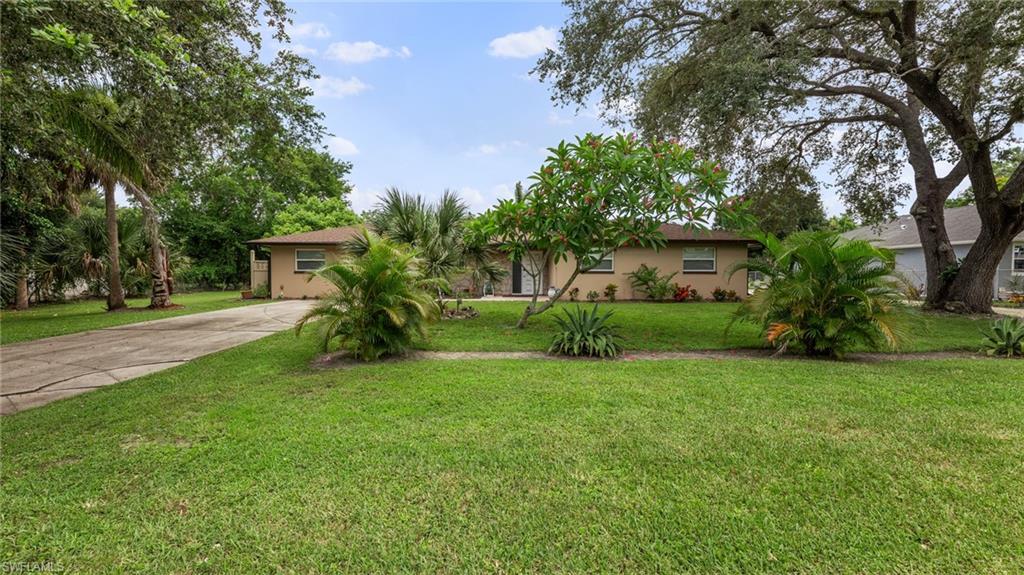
(309, 30)
(333, 87)
(493, 149)
(360, 52)
(338, 146)
(524, 44)
(362, 201)
(301, 49)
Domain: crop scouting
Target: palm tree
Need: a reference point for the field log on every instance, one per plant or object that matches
(440, 232)
(382, 300)
(825, 294)
(93, 118)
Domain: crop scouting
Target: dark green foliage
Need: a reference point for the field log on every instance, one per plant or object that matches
(212, 213)
(1005, 338)
(383, 300)
(648, 280)
(586, 333)
(825, 295)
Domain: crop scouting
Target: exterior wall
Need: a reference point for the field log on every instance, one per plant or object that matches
(668, 260)
(910, 262)
(288, 283)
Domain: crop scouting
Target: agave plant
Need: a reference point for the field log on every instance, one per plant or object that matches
(383, 300)
(1006, 338)
(825, 295)
(586, 333)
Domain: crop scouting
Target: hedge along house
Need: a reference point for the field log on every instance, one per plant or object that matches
(700, 258)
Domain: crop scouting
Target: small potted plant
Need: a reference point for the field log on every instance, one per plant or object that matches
(592, 295)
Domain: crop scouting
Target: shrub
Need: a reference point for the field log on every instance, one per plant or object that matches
(648, 280)
(261, 291)
(586, 333)
(824, 294)
(731, 295)
(1006, 338)
(592, 296)
(382, 300)
(682, 293)
(574, 294)
(718, 294)
(609, 292)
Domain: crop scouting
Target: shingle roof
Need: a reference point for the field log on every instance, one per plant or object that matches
(682, 233)
(328, 236)
(962, 225)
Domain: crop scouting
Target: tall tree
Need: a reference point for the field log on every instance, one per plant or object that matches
(784, 199)
(188, 75)
(891, 81)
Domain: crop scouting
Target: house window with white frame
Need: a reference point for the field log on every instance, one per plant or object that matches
(309, 260)
(1018, 259)
(604, 264)
(699, 260)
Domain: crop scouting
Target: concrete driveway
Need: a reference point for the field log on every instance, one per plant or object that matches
(37, 372)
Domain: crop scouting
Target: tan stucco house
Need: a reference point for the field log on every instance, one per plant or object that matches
(701, 259)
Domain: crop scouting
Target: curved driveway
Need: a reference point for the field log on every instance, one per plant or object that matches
(37, 372)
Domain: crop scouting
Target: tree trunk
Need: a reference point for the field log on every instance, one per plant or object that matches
(928, 212)
(21, 297)
(160, 296)
(115, 293)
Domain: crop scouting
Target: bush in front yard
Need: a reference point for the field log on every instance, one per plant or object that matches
(382, 300)
(1005, 339)
(586, 333)
(825, 295)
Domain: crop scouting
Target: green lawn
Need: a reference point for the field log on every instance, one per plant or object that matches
(669, 327)
(248, 461)
(61, 318)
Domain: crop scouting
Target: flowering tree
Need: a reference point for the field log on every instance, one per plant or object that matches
(600, 193)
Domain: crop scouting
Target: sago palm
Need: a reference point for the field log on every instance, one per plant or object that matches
(383, 300)
(825, 295)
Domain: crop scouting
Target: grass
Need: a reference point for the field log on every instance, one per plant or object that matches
(670, 327)
(249, 461)
(48, 320)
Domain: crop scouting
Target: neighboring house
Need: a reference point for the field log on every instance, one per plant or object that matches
(962, 225)
(702, 259)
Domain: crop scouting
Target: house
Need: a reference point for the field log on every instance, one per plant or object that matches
(962, 225)
(700, 258)
(294, 256)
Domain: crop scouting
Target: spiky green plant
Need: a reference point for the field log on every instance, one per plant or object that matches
(586, 333)
(825, 295)
(383, 300)
(1005, 338)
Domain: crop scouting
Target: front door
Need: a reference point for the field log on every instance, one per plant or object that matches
(522, 281)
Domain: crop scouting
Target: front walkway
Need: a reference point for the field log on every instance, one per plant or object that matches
(37, 372)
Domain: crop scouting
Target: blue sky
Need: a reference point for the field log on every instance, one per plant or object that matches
(433, 96)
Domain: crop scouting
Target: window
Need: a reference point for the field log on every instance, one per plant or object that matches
(607, 264)
(698, 260)
(309, 260)
(1018, 258)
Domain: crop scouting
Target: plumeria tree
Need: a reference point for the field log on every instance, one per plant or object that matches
(598, 194)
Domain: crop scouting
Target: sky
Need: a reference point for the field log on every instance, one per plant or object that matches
(435, 96)
(428, 97)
